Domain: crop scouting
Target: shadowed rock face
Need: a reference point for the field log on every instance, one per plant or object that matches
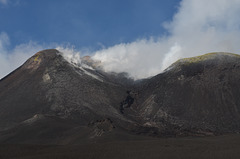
(50, 100)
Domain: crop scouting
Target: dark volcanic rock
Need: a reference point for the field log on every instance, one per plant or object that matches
(49, 85)
(49, 100)
(197, 95)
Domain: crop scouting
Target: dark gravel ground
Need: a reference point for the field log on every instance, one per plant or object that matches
(219, 147)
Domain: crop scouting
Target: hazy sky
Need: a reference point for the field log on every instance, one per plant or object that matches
(141, 37)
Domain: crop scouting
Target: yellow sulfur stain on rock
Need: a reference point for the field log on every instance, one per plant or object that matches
(34, 62)
(36, 58)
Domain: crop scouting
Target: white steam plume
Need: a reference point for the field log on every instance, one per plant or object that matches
(70, 54)
(198, 27)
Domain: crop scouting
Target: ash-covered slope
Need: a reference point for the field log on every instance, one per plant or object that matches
(47, 90)
(50, 100)
(194, 95)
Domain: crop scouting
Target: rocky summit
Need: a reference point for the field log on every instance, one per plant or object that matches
(53, 101)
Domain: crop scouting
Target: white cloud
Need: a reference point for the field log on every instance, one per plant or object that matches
(11, 59)
(198, 27)
(134, 58)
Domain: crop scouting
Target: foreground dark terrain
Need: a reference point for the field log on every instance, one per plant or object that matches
(53, 107)
(219, 147)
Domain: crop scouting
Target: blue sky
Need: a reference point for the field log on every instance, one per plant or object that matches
(84, 23)
(140, 37)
